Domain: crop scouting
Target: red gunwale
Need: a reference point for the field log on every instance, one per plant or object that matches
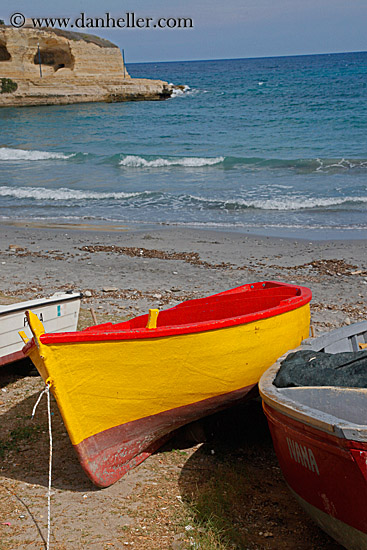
(309, 434)
(107, 332)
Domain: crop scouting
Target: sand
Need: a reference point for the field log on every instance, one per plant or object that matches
(128, 271)
(123, 271)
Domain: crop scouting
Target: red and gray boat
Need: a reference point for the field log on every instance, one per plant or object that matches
(320, 438)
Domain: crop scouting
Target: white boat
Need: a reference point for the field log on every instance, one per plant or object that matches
(58, 313)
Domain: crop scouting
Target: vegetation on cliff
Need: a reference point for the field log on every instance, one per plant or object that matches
(7, 86)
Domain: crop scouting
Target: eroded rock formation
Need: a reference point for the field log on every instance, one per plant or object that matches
(75, 68)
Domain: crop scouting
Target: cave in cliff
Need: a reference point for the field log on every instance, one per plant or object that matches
(4, 54)
(55, 57)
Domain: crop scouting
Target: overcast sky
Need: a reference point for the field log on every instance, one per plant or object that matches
(222, 29)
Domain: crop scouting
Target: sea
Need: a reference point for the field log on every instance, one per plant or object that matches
(271, 146)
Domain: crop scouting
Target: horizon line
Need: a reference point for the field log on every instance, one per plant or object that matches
(246, 58)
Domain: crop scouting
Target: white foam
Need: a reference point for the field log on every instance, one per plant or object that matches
(178, 91)
(135, 161)
(296, 203)
(343, 163)
(303, 203)
(6, 154)
(186, 91)
(268, 225)
(61, 194)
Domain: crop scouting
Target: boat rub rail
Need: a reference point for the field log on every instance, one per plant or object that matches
(291, 297)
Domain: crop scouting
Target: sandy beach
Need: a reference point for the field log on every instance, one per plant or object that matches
(127, 271)
(122, 272)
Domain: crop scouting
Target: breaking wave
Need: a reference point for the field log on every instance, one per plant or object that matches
(61, 194)
(179, 90)
(135, 161)
(296, 203)
(8, 154)
(159, 199)
(317, 165)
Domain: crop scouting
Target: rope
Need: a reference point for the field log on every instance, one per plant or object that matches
(47, 392)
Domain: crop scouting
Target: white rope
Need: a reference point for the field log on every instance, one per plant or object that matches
(47, 391)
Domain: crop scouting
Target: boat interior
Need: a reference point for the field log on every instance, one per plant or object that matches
(346, 404)
(237, 302)
(348, 338)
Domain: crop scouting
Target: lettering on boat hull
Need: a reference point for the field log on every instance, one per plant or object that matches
(302, 455)
(40, 317)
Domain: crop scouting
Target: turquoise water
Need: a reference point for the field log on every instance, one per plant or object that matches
(275, 146)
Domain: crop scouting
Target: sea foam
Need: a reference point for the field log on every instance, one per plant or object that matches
(178, 91)
(8, 154)
(61, 194)
(291, 203)
(135, 161)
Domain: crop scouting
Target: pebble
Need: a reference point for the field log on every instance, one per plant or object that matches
(87, 294)
(109, 289)
(158, 296)
(347, 321)
(178, 545)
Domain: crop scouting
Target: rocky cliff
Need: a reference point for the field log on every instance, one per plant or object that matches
(75, 68)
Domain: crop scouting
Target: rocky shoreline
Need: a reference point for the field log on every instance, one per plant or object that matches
(54, 67)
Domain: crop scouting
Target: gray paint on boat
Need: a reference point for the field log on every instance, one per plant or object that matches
(347, 536)
(342, 411)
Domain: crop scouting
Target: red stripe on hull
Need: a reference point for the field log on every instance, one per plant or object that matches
(108, 455)
(12, 357)
(322, 469)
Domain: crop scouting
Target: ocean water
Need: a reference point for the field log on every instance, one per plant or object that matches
(275, 146)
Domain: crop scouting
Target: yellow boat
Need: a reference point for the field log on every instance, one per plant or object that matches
(123, 388)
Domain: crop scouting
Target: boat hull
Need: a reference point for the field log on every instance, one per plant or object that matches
(327, 474)
(348, 536)
(58, 314)
(108, 455)
(123, 389)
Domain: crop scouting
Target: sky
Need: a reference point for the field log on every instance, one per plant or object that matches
(221, 29)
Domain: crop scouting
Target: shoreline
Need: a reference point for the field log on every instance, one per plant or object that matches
(299, 234)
